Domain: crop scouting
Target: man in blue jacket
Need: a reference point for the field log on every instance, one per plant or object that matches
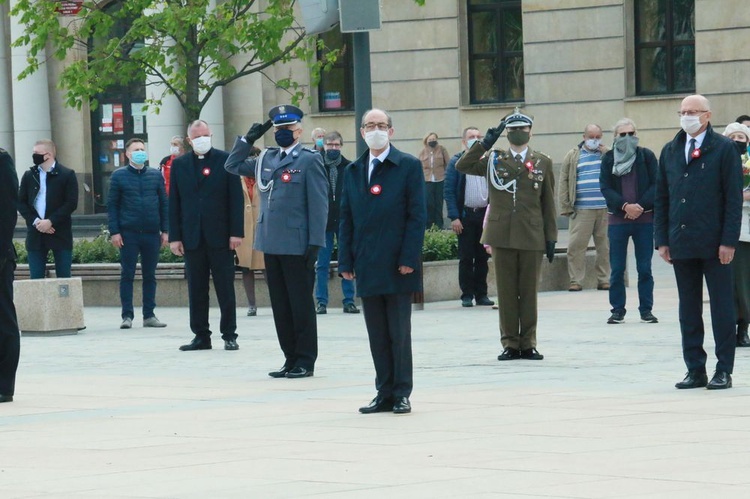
(466, 198)
(138, 213)
(697, 216)
(383, 218)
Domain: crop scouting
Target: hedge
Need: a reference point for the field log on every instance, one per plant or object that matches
(438, 245)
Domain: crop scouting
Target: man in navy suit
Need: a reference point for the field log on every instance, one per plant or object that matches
(206, 226)
(697, 218)
(381, 233)
(291, 229)
(10, 343)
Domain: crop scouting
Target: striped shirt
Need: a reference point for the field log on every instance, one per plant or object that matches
(588, 192)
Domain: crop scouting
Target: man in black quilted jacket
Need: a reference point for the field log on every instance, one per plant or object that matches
(138, 224)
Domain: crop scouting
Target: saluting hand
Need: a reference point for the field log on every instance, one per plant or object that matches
(256, 131)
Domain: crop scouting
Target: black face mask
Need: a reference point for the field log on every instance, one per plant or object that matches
(284, 137)
(432, 143)
(333, 154)
(741, 146)
(38, 159)
(518, 137)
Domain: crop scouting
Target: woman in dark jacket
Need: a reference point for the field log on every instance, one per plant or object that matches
(628, 183)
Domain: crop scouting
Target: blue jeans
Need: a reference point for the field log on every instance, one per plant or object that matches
(643, 241)
(321, 273)
(147, 245)
(38, 263)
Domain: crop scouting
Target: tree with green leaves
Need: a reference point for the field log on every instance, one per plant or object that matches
(190, 48)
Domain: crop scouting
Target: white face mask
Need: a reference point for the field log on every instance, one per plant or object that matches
(592, 144)
(376, 139)
(201, 145)
(470, 143)
(691, 124)
(174, 150)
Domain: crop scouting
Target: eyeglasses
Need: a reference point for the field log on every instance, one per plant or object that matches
(690, 113)
(372, 126)
(622, 134)
(333, 146)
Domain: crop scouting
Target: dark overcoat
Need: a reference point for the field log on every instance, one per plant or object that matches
(383, 223)
(698, 204)
(204, 201)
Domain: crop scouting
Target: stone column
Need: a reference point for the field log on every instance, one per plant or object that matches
(31, 111)
(6, 95)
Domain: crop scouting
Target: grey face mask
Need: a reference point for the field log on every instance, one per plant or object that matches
(624, 150)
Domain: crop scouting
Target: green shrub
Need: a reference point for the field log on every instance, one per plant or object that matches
(439, 245)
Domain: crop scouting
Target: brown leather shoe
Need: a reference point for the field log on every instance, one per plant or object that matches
(575, 287)
(603, 286)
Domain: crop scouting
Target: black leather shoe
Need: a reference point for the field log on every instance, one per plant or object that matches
(483, 300)
(466, 302)
(231, 345)
(742, 338)
(378, 404)
(720, 381)
(350, 308)
(321, 310)
(6, 398)
(401, 406)
(693, 379)
(531, 354)
(509, 354)
(197, 344)
(298, 372)
(281, 373)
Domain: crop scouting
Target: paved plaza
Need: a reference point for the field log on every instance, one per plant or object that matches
(114, 413)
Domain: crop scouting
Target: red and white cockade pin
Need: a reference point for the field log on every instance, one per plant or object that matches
(696, 154)
(376, 190)
(206, 172)
(286, 177)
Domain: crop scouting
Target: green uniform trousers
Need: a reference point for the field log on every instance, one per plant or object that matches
(517, 277)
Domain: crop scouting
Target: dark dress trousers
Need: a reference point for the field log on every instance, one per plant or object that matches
(62, 201)
(205, 209)
(697, 208)
(10, 343)
(382, 227)
(293, 217)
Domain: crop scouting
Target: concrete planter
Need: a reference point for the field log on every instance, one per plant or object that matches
(101, 282)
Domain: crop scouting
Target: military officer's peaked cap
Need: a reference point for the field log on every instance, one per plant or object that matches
(518, 119)
(286, 114)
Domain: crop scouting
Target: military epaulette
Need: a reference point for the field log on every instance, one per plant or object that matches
(310, 149)
(502, 154)
(543, 154)
(271, 148)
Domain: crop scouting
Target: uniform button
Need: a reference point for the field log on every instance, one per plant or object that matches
(682, 200)
(686, 174)
(682, 226)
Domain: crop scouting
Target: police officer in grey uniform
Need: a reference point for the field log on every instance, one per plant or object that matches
(290, 230)
(521, 226)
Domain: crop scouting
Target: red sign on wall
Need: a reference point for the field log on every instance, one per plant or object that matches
(69, 7)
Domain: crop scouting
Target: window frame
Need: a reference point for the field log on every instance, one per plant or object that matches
(668, 44)
(346, 64)
(501, 55)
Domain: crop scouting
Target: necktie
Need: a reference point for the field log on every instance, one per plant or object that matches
(375, 163)
(690, 150)
(283, 155)
(518, 159)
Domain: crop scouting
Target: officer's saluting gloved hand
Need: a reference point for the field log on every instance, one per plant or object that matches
(492, 135)
(311, 256)
(256, 131)
(550, 250)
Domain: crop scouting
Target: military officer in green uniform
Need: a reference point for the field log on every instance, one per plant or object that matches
(521, 226)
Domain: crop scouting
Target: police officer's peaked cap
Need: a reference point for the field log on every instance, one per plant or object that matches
(518, 119)
(286, 114)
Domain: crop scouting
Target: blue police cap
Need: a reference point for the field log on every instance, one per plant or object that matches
(518, 119)
(285, 114)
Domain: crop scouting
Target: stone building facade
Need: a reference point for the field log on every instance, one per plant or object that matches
(437, 68)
